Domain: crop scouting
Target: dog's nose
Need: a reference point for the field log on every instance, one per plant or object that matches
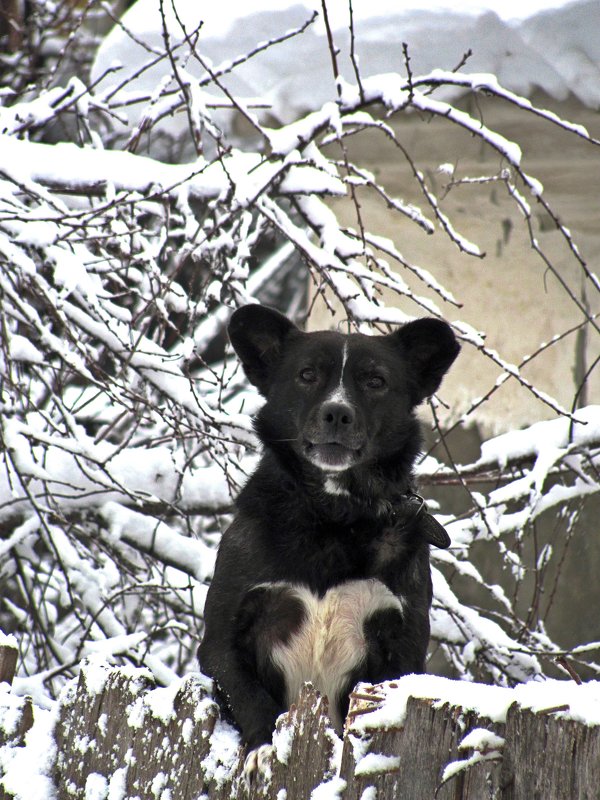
(334, 415)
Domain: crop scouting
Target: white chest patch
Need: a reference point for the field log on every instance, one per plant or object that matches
(331, 486)
(330, 643)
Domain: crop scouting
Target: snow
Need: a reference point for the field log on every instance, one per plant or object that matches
(370, 793)
(96, 787)
(282, 742)
(566, 699)
(152, 535)
(554, 436)
(454, 622)
(115, 645)
(95, 677)
(487, 746)
(8, 640)
(153, 472)
(481, 739)
(27, 771)
(567, 38)
(161, 701)
(492, 702)
(376, 763)
(298, 133)
(330, 790)
(10, 710)
(223, 756)
(117, 784)
(25, 161)
(21, 349)
(186, 730)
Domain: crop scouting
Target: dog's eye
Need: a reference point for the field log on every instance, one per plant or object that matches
(375, 382)
(308, 375)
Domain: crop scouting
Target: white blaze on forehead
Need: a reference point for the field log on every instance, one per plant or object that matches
(339, 394)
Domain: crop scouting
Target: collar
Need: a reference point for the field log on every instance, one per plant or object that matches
(412, 511)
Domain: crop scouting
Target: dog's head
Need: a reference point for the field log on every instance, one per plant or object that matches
(338, 400)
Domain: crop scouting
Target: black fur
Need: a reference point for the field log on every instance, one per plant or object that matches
(363, 438)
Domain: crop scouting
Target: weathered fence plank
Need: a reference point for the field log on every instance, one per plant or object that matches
(116, 731)
(305, 755)
(408, 760)
(16, 713)
(550, 758)
(118, 735)
(13, 727)
(8, 662)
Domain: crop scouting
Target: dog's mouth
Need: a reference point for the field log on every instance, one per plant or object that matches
(331, 456)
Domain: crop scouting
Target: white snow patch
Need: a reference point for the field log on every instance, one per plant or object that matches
(186, 730)
(220, 762)
(117, 785)
(114, 645)
(492, 702)
(161, 701)
(282, 742)
(95, 675)
(370, 793)
(27, 771)
(21, 349)
(481, 739)
(158, 784)
(8, 640)
(557, 434)
(329, 790)
(96, 787)
(376, 763)
(487, 746)
(10, 710)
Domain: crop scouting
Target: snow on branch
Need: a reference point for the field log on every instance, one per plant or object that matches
(125, 423)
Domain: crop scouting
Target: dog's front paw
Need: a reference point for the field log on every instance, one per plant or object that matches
(257, 766)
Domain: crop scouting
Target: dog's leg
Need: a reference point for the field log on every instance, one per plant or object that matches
(252, 707)
(248, 681)
(395, 644)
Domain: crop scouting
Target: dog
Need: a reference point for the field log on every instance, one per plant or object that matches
(324, 573)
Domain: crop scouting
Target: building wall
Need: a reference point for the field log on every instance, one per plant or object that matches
(510, 294)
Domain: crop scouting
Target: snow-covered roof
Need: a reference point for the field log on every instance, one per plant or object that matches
(556, 50)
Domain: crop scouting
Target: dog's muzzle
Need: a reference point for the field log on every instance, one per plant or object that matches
(331, 456)
(334, 437)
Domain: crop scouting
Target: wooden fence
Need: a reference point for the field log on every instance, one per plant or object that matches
(118, 735)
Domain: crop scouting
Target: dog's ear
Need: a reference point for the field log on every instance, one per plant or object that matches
(430, 347)
(257, 334)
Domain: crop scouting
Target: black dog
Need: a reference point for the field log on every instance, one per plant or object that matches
(324, 573)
